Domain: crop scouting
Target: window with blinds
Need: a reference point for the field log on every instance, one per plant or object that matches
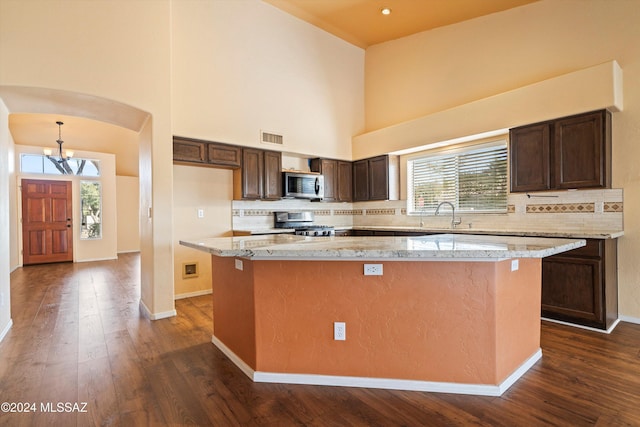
(473, 178)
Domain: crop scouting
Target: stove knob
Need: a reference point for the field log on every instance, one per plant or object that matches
(316, 233)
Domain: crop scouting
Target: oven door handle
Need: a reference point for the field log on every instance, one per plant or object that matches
(317, 185)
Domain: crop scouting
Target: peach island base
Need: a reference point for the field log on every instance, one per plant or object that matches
(450, 313)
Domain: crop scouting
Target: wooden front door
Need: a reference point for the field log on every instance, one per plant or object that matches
(47, 233)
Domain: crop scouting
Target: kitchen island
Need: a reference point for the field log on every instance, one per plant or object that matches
(450, 313)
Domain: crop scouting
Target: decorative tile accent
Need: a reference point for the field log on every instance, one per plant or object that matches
(403, 211)
(511, 208)
(257, 212)
(613, 207)
(381, 211)
(347, 212)
(322, 212)
(562, 208)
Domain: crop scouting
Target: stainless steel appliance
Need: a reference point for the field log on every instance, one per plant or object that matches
(302, 185)
(302, 223)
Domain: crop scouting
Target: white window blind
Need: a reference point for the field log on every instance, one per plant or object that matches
(473, 178)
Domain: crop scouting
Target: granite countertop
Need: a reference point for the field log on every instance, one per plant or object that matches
(582, 234)
(437, 246)
(593, 234)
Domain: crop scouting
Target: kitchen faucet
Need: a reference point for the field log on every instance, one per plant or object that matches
(454, 222)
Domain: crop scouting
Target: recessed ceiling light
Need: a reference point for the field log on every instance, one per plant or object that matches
(385, 11)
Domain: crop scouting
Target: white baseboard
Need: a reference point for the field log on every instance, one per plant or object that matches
(630, 319)
(588, 328)
(383, 383)
(96, 259)
(193, 294)
(132, 251)
(156, 316)
(6, 329)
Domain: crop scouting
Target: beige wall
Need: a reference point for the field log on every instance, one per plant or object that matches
(243, 66)
(433, 71)
(199, 188)
(128, 209)
(119, 50)
(5, 161)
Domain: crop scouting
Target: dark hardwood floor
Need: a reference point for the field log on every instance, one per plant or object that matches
(78, 336)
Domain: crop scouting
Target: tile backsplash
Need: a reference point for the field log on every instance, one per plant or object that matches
(564, 211)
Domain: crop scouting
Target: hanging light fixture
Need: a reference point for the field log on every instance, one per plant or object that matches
(61, 162)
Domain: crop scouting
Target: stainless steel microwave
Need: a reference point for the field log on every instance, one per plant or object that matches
(299, 185)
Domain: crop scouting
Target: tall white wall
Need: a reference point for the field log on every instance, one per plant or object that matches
(119, 50)
(211, 191)
(5, 168)
(434, 71)
(128, 209)
(243, 66)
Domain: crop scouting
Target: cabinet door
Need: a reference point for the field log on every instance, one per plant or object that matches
(224, 155)
(188, 151)
(572, 290)
(329, 169)
(272, 175)
(252, 173)
(361, 180)
(345, 182)
(580, 152)
(379, 178)
(529, 151)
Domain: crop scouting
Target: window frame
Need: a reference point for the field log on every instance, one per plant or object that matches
(454, 150)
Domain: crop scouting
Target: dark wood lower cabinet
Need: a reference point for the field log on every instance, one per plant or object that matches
(580, 286)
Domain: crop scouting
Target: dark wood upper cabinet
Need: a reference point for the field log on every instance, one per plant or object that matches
(583, 151)
(224, 155)
(529, 155)
(252, 173)
(191, 151)
(567, 153)
(379, 178)
(205, 153)
(337, 179)
(361, 180)
(345, 181)
(272, 175)
(260, 176)
(376, 178)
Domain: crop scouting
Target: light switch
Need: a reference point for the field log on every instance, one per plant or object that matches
(200, 213)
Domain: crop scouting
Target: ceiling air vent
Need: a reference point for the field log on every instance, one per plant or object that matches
(270, 138)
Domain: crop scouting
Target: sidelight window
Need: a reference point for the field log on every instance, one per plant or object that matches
(473, 178)
(91, 207)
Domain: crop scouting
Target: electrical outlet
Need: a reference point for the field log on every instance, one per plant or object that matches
(239, 265)
(200, 213)
(339, 331)
(515, 264)
(373, 269)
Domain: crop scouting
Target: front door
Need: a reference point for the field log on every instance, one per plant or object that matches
(47, 234)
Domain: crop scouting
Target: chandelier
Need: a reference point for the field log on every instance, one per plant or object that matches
(61, 162)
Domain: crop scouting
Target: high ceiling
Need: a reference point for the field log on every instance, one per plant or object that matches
(361, 22)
